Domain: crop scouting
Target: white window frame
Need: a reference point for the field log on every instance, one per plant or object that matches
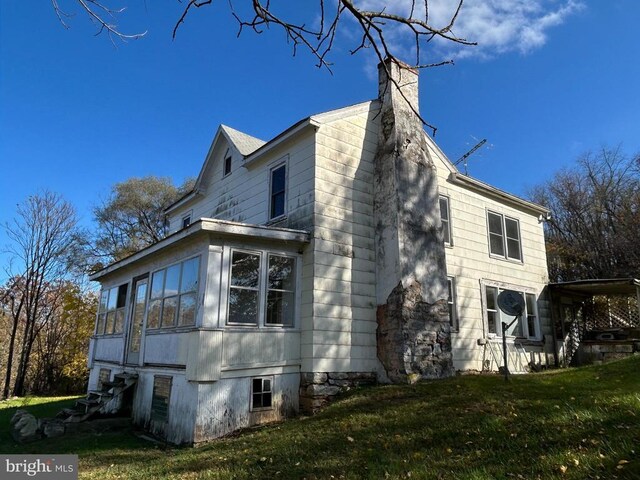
(186, 218)
(227, 156)
(504, 238)
(281, 163)
(263, 288)
(270, 391)
(258, 288)
(162, 298)
(452, 302)
(122, 309)
(501, 316)
(446, 224)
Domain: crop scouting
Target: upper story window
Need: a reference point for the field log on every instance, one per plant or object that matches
(252, 297)
(186, 221)
(504, 236)
(277, 192)
(111, 310)
(174, 292)
(227, 164)
(527, 327)
(445, 218)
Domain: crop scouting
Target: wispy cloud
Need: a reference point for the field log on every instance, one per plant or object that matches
(498, 26)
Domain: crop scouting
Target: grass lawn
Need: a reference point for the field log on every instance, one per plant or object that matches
(574, 424)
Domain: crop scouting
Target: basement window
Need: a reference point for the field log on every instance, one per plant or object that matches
(111, 310)
(261, 393)
(160, 398)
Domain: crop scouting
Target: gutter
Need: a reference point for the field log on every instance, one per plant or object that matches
(464, 180)
(296, 128)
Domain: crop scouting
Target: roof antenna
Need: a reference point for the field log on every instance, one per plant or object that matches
(464, 157)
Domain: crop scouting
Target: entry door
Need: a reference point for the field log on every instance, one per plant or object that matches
(137, 321)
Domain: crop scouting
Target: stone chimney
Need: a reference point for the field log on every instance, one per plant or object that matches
(411, 285)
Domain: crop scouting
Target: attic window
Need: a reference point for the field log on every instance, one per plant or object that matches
(227, 164)
(186, 221)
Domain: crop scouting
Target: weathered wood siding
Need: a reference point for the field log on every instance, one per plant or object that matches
(468, 260)
(243, 195)
(183, 404)
(109, 348)
(225, 406)
(343, 335)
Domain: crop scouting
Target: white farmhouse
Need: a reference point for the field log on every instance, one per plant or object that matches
(346, 250)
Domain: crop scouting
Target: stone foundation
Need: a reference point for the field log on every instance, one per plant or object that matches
(320, 388)
(414, 337)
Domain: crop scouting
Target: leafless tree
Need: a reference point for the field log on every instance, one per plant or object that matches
(593, 232)
(41, 234)
(376, 25)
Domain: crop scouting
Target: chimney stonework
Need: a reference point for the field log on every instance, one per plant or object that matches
(411, 285)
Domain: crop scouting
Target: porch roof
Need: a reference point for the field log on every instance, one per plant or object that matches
(600, 286)
(215, 229)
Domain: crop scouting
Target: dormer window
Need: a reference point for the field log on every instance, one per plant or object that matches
(278, 189)
(227, 164)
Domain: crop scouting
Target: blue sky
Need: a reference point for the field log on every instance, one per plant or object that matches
(550, 80)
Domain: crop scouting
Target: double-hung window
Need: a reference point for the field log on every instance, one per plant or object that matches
(504, 236)
(277, 192)
(445, 219)
(527, 327)
(111, 310)
(262, 289)
(174, 292)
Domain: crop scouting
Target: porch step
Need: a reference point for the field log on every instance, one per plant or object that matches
(109, 385)
(126, 376)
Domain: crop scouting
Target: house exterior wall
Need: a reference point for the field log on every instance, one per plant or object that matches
(343, 338)
(469, 262)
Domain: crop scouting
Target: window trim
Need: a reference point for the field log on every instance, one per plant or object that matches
(186, 217)
(229, 157)
(270, 392)
(106, 311)
(258, 289)
(263, 289)
(500, 286)
(503, 237)
(150, 299)
(449, 228)
(452, 302)
(275, 167)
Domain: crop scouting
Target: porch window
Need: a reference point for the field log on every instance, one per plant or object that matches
(261, 393)
(281, 291)
(111, 310)
(445, 219)
(278, 188)
(527, 327)
(262, 289)
(174, 292)
(244, 288)
(504, 236)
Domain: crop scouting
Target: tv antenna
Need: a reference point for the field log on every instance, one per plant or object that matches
(464, 157)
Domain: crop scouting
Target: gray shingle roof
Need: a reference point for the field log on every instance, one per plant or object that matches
(246, 144)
